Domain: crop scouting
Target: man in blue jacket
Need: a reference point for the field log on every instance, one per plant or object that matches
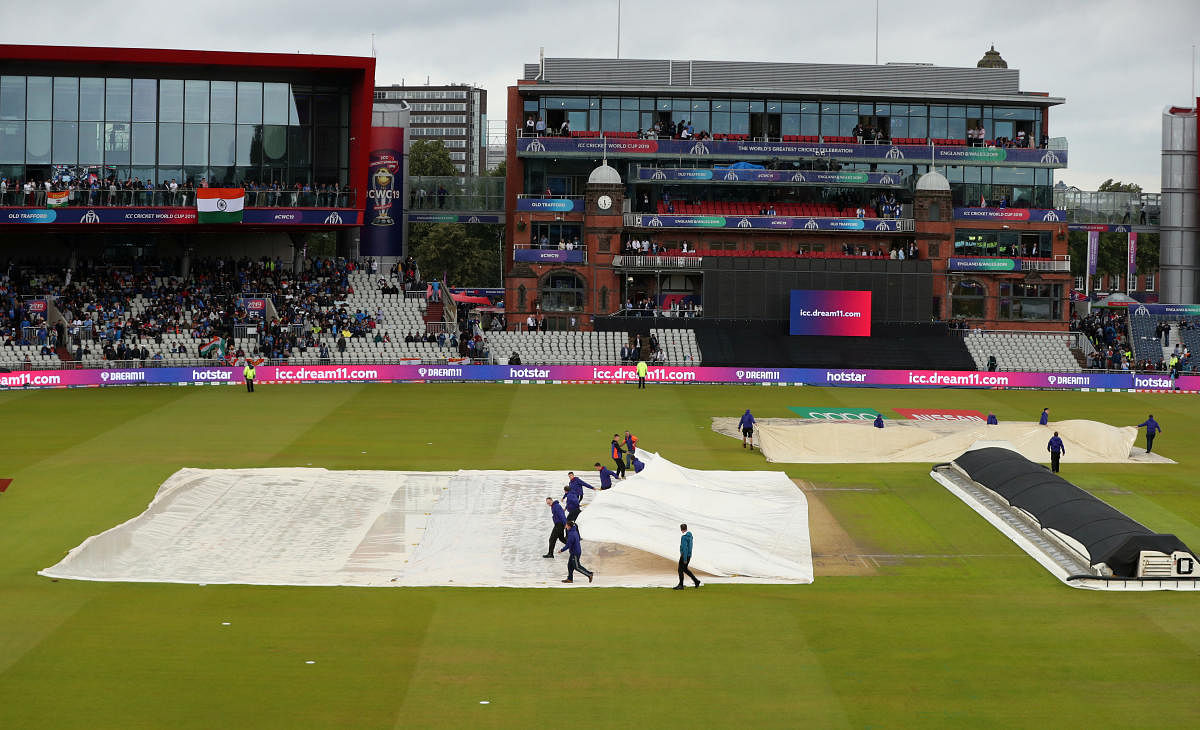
(1152, 429)
(630, 448)
(576, 485)
(560, 523)
(572, 500)
(746, 426)
(606, 476)
(574, 545)
(992, 420)
(685, 557)
(878, 423)
(1045, 419)
(638, 466)
(1056, 449)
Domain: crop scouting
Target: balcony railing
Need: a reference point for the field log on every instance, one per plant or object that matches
(180, 198)
(658, 262)
(800, 224)
(1056, 264)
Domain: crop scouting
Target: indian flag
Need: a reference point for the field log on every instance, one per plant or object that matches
(55, 198)
(219, 205)
(215, 347)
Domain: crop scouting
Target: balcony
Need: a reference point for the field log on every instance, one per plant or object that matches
(1109, 208)
(684, 175)
(658, 262)
(179, 198)
(771, 223)
(1004, 265)
(628, 144)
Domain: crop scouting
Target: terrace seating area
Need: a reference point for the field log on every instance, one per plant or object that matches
(802, 210)
(1142, 337)
(678, 347)
(1043, 351)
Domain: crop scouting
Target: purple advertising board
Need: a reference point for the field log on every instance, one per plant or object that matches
(811, 177)
(550, 205)
(769, 222)
(1098, 227)
(382, 233)
(600, 374)
(453, 218)
(176, 216)
(595, 147)
(828, 312)
(1033, 215)
(549, 256)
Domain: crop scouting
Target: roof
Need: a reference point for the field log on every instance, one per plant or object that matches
(604, 175)
(733, 77)
(933, 181)
(178, 57)
(1108, 535)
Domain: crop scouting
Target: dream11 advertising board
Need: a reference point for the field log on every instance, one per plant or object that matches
(837, 313)
(382, 233)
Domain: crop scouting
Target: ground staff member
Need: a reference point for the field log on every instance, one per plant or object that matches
(606, 476)
(248, 374)
(617, 452)
(685, 557)
(642, 370)
(746, 425)
(1056, 449)
(560, 524)
(574, 544)
(1152, 429)
(572, 499)
(1045, 418)
(630, 448)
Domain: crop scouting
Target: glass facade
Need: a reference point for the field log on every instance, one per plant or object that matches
(224, 132)
(774, 118)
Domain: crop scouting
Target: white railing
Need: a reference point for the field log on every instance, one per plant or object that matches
(1058, 263)
(659, 262)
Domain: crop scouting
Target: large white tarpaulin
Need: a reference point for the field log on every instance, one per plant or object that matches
(805, 441)
(466, 528)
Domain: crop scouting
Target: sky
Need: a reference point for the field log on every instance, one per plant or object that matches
(1118, 64)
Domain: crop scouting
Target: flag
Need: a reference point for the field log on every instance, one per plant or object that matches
(1132, 253)
(55, 198)
(1093, 250)
(214, 347)
(219, 205)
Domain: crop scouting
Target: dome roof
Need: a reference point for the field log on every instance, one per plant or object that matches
(991, 59)
(604, 175)
(933, 181)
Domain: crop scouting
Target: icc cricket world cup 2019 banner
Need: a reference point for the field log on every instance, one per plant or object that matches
(382, 233)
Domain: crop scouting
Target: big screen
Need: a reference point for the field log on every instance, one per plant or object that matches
(840, 313)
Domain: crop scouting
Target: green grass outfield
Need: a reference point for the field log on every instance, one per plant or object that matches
(966, 630)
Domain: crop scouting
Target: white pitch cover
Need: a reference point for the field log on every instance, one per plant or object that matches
(307, 526)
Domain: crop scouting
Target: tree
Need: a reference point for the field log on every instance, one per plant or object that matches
(1116, 186)
(467, 255)
(501, 169)
(1111, 253)
(430, 158)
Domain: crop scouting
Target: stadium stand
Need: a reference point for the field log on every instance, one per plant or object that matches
(1045, 351)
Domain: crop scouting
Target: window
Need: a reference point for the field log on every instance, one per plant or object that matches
(1149, 282)
(1030, 300)
(562, 291)
(967, 299)
(1078, 283)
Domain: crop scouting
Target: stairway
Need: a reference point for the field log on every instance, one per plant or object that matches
(434, 312)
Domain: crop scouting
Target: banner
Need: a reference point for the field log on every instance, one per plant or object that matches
(826, 312)
(176, 216)
(1098, 227)
(601, 374)
(802, 177)
(594, 148)
(550, 205)
(1093, 251)
(972, 263)
(770, 222)
(56, 198)
(382, 233)
(549, 256)
(453, 218)
(1131, 252)
(1033, 215)
(362, 373)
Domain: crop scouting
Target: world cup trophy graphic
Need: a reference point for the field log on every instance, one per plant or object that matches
(383, 193)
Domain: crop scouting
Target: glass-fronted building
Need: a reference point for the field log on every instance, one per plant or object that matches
(205, 118)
